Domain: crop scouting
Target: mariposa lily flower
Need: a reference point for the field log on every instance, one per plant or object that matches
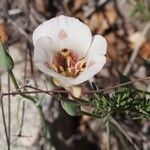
(65, 49)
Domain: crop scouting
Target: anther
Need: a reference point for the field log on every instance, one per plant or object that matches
(83, 66)
(61, 68)
(65, 52)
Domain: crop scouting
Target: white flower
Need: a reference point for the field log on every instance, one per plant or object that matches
(65, 49)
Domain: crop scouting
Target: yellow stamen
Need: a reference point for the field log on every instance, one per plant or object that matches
(65, 52)
(67, 65)
(61, 68)
(69, 59)
(77, 72)
(70, 72)
(83, 66)
(80, 64)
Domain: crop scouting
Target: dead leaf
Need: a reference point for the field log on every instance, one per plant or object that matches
(145, 50)
(111, 39)
(99, 20)
(112, 54)
(3, 32)
(79, 3)
(95, 21)
(111, 14)
(41, 5)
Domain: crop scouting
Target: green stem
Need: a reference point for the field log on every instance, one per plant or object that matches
(116, 126)
(18, 89)
(108, 136)
(145, 92)
(88, 114)
(125, 140)
(33, 100)
(4, 122)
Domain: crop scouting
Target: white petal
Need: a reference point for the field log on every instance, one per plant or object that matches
(66, 32)
(95, 59)
(44, 50)
(98, 46)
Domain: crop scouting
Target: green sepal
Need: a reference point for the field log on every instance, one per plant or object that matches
(71, 108)
(5, 59)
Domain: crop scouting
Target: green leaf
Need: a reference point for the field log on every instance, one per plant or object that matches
(5, 60)
(71, 108)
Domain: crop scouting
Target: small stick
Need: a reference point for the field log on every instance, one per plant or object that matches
(36, 90)
(137, 48)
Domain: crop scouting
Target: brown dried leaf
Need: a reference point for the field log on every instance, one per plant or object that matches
(145, 50)
(111, 52)
(99, 20)
(111, 14)
(3, 32)
(111, 39)
(41, 5)
(79, 3)
(95, 21)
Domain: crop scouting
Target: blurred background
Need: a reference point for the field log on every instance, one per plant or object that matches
(124, 23)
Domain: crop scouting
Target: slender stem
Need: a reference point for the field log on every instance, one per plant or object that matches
(114, 122)
(88, 114)
(9, 112)
(77, 101)
(38, 105)
(14, 80)
(108, 136)
(58, 91)
(18, 89)
(4, 123)
(117, 86)
(118, 127)
(137, 48)
(84, 92)
(3, 116)
(22, 118)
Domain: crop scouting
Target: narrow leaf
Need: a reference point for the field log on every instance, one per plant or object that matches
(5, 60)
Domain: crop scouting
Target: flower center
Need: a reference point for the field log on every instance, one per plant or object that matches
(68, 64)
